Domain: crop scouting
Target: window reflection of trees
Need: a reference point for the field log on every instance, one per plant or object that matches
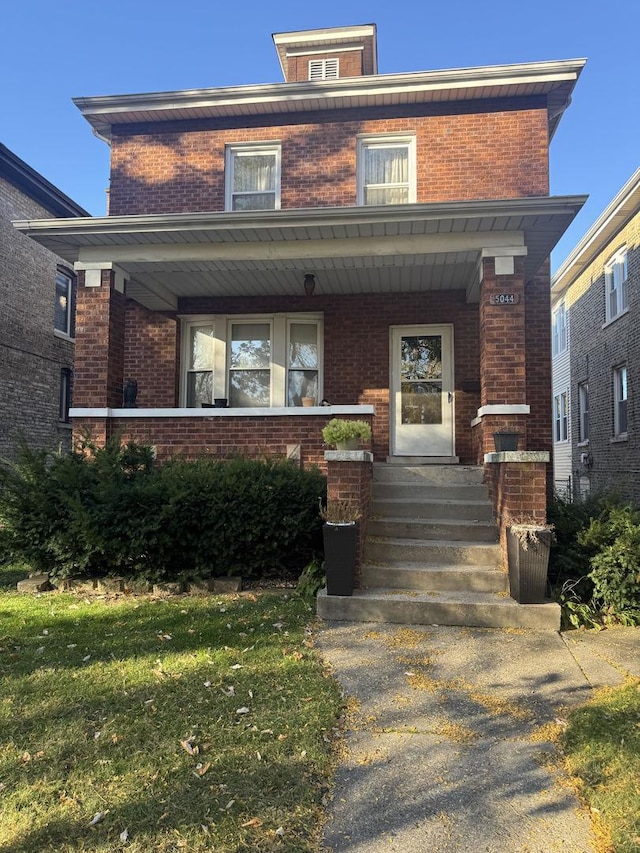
(421, 357)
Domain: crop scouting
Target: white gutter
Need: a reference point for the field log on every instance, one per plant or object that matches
(610, 221)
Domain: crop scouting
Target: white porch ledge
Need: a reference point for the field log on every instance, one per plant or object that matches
(262, 412)
(518, 456)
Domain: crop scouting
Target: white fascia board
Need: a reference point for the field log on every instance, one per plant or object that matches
(303, 218)
(613, 218)
(378, 85)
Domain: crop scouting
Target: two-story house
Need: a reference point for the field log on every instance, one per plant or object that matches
(595, 361)
(377, 242)
(37, 317)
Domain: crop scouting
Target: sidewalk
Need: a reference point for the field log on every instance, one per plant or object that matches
(446, 746)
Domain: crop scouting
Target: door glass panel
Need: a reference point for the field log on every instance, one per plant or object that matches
(421, 379)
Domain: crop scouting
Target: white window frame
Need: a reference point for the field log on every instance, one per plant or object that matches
(64, 275)
(620, 401)
(616, 277)
(583, 412)
(324, 69)
(249, 148)
(387, 141)
(561, 417)
(559, 336)
(279, 324)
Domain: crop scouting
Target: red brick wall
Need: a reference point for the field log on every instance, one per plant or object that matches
(220, 436)
(356, 346)
(99, 356)
(538, 362)
(518, 492)
(351, 482)
(464, 151)
(151, 356)
(350, 64)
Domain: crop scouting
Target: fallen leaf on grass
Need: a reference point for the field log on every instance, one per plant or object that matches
(243, 711)
(254, 822)
(96, 818)
(201, 769)
(188, 746)
(124, 835)
(280, 830)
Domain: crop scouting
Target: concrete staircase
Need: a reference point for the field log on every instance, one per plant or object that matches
(432, 556)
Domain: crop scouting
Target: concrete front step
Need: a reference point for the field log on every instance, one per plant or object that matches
(397, 551)
(435, 578)
(471, 510)
(438, 608)
(446, 528)
(431, 474)
(422, 491)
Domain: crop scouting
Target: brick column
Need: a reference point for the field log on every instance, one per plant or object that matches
(349, 475)
(503, 374)
(99, 359)
(518, 489)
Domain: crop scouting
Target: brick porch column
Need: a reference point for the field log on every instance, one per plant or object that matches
(503, 375)
(99, 358)
(349, 475)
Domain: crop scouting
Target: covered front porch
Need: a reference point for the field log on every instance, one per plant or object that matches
(254, 308)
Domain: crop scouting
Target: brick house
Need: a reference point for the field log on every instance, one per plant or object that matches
(379, 242)
(36, 322)
(594, 297)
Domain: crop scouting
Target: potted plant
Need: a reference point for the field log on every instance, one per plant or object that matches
(528, 548)
(346, 434)
(340, 538)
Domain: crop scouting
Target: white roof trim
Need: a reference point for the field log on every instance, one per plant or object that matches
(625, 204)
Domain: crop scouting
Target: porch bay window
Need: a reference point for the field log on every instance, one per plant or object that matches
(253, 362)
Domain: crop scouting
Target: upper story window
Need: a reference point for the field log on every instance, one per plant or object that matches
(559, 332)
(324, 69)
(561, 416)
(63, 307)
(615, 283)
(253, 177)
(583, 411)
(249, 361)
(620, 396)
(386, 170)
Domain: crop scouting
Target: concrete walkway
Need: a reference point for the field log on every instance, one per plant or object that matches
(446, 748)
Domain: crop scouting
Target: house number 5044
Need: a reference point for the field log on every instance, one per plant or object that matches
(503, 298)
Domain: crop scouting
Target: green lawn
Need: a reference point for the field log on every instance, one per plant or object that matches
(602, 750)
(162, 725)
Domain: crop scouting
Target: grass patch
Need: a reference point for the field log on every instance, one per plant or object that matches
(602, 752)
(141, 724)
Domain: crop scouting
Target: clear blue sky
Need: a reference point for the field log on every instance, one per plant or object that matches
(54, 51)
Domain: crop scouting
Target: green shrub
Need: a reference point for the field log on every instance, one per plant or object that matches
(615, 568)
(112, 510)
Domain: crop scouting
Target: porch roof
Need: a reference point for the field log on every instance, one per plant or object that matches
(412, 247)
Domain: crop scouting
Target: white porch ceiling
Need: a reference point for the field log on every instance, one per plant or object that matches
(349, 250)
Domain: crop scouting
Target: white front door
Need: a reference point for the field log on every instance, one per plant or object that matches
(422, 391)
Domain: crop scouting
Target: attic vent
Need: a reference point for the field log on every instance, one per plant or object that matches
(323, 69)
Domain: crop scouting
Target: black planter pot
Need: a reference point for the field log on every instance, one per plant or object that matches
(528, 564)
(505, 441)
(340, 549)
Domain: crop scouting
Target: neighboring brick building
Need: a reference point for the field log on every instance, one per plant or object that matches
(36, 321)
(596, 361)
(380, 241)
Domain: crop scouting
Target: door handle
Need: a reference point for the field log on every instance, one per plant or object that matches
(450, 393)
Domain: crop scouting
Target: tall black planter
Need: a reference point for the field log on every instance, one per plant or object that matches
(340, 549)
(528, 553)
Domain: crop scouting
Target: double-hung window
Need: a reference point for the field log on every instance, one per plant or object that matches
(620, 396)
(252, 177)
(559, 335)
(560, 416)
(583, 411)
(252, 361)
(63, 306)
(386, 170)
(615, 278)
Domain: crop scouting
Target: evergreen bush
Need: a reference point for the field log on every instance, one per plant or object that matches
(113, 510)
